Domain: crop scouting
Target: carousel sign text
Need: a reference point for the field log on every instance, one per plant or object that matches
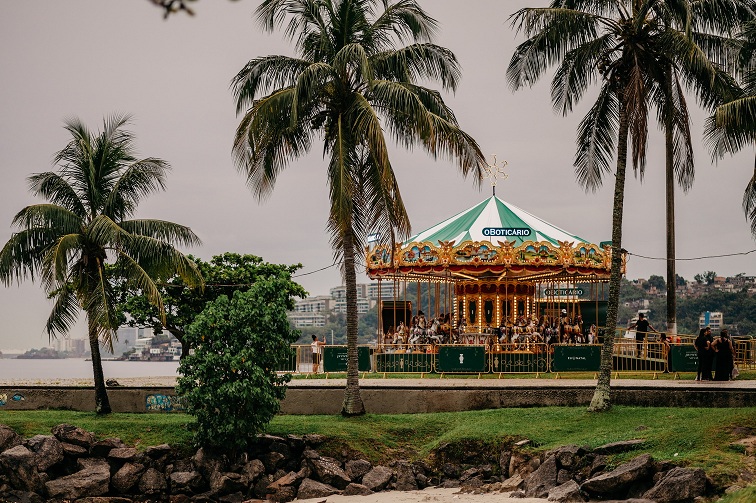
(506, 231)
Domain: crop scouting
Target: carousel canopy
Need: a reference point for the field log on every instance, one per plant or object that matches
(495, 220)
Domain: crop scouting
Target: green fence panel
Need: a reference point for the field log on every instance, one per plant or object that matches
(576, 358)
(519, 362)
(290, 365)
(404, 362)
(335, 359)
(684, 358)
(461, 359)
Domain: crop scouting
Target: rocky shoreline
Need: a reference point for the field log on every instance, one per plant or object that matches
(72, 465)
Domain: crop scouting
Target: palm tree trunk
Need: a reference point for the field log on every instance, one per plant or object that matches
(353, 405)
(102, 404)
(601, 400)
(670, 186)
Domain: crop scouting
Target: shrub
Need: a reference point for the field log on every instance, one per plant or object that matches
(229, 382)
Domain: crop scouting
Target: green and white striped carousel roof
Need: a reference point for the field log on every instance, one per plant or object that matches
(513, 224)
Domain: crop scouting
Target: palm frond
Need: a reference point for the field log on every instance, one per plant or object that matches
(749, 201)
(168, 232)
(57, 190)
(261, 75)
(64, 313)
(577, 72)
(139, 179)
(596, 140)
(419, 62)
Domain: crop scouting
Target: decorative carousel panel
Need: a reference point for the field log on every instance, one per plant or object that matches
(588, 255)
(475, 252)
(419, 253)
(380, 257)
(532, 253)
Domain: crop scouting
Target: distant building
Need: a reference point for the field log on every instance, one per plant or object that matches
(711, 319)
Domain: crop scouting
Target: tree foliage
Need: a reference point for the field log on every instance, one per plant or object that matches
(86, 224)
(223, 275)
(229, 383)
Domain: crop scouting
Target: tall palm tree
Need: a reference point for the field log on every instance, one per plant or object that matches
(733, 126)
(353, 78)
(67, 241)
(633, 51)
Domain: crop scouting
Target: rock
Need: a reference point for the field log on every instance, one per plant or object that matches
(542, 479)
(356, 490)
(227, 483)
(451, 470)
(377, 478)
(330, 473)
(260, 488)
(566, 493)
(356, 468)
(94, 480)
(104, 499)
(101, 448)
(47, 449)
(126, 477)
(208, 462)
(123, 454)
(20, 497)
(568, 455)
(405, 478)
(75, 451)
(522, 442)
(284, 493)
(290, 479)
(9, 438)
(152, 482)
(112, 383)
(621, 478)
(19, 464)
(185, 482)
(563, 477)
(272, 461)
(513, 483)
(522, 463)
(615, 447)
(313, 489)
(598, 465)
(517, 494)
(678, 484)
(313, 439)
(504, 459)
(253, 469)
(73, 435)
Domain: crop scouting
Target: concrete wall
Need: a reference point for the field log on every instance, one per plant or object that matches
(327, 399)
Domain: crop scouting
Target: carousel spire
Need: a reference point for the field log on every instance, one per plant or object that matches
(494, 171)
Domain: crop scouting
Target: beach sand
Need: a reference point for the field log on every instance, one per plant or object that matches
(430, 495)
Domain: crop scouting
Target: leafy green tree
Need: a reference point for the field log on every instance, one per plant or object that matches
(657, 282)
(635, 51)
(67, 241)
(352, 80)
(223, 275)
(229, 383)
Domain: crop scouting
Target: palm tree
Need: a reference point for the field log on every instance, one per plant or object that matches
(67, 241)
(733, 126)
(633, 50)
(353, 78)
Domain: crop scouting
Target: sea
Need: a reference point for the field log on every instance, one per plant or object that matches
(79, 368)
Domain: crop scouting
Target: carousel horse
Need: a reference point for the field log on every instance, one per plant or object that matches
(432, 332)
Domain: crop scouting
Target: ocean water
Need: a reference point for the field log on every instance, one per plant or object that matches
(79, 368)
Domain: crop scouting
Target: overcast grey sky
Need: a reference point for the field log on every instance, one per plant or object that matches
(91, 58)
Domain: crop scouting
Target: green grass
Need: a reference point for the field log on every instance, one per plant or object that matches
(698, 437)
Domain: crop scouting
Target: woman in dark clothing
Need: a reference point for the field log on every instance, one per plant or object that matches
(705, 354)
(724, 359)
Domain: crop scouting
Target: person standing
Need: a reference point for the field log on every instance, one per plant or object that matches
(724, 356)
(641, 327)
(705, 354)
(316, 347)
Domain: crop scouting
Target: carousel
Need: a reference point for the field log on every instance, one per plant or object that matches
(492, 273)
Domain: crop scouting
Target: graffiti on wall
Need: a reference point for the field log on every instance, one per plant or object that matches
(163, 403)
(17, 397)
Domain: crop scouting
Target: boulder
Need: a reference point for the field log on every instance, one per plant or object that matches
(104, 499)
(522, 463)
(356, 490)
(126, 477)
(20, 466)
(290, 479)
(329, 472)
(253, 469)
(405, 478)
(282, 494)
(9, 438)
(356, 468)
(567, 456)
(227, 483)
(542, 479)
(123, 454)
(513, 483)
(158, 451)
(185, 482)
(20, 497)
(47, 449)
(152, 482)
(101, 448)
(208, 462)
(566, 493)
(73, 450)
(313, 489)
(94, 480)
(504, 458)
(377, 478)
(74, 435)
(678, 485)
(621, 478)
(273, 461)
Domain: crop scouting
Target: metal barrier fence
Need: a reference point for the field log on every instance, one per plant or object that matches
(629, 356)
